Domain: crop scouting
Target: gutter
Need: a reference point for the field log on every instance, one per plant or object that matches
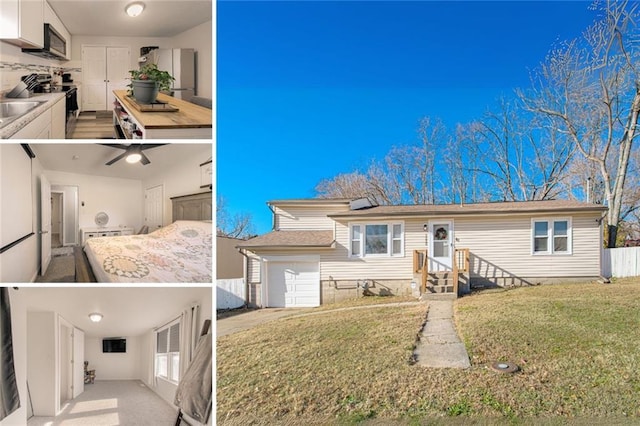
(461, 214)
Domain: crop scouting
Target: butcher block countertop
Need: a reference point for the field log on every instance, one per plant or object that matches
(188, 116)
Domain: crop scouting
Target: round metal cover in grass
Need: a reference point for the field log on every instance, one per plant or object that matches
(505, 367)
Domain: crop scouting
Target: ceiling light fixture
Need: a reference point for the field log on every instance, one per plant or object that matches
(133, 158)
(134, 9)
(95, 317)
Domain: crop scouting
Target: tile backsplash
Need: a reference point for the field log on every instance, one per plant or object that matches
(11, 72)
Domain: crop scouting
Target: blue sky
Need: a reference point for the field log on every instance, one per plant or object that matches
(308, 90)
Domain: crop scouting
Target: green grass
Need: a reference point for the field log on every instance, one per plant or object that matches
(578, 347)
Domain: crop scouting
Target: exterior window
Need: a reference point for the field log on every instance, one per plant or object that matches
(168, 353)
(552, 236)
(356, 240)
(376, 239)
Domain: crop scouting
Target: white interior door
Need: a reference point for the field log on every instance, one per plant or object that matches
(45, 224)
(153, 207)
(94, 78)
(441, 246)
(65, 364)
(118, 66)
(78, 362)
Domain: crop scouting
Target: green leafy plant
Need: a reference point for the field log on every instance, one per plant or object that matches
(150, 72)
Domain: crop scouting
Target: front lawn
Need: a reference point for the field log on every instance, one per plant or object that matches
(578, 346)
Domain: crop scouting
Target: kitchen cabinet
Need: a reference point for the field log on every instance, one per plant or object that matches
(58, 119)
(22, 22)
(50, 17)
(39, 128)
(104, 69)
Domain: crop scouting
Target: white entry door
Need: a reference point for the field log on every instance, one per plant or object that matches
(153, 207)
(118, 66)
(441, 245)
(45, 224)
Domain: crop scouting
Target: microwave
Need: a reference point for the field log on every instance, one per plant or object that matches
(55, 46)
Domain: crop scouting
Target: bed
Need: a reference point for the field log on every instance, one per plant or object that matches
(178, 253)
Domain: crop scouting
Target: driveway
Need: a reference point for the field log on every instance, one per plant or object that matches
(252, 319)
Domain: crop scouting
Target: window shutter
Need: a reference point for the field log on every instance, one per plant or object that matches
(162, 341)
(174, 338)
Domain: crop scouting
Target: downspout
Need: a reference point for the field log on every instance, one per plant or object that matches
(603, 279)
(246, 275)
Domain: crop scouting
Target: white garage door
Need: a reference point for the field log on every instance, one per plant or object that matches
(293, 284)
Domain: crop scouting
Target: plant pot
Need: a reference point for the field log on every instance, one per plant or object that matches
(145, 91)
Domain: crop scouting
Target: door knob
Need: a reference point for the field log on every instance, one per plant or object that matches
(43, 232)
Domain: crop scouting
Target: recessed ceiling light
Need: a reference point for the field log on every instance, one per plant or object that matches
(95, 317)
(133, 158)
(134, 9)
(75, 157)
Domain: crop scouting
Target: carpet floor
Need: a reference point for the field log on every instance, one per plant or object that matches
(62, 269)
(113, 402)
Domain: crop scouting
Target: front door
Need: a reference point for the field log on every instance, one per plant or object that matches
(441, 245)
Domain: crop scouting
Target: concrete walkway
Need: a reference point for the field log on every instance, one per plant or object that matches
(439, 345)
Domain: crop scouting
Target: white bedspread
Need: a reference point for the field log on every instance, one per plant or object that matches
(178, 253)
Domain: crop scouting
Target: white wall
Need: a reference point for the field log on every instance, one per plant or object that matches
(199, 38)
(42, 362)
(121, 199)
(113, 366)
(19, 334)
(181, 179)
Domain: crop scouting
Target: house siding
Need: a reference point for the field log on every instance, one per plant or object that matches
(306, 217)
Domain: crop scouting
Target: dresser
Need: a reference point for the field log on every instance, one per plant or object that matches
(107, 231)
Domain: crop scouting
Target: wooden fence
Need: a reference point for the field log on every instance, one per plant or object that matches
(621, 262)
(230, 293)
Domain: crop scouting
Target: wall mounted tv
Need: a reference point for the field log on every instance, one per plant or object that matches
(114, 345)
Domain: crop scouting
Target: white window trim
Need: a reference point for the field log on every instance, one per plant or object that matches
(550, 236)
(363, 238)
(168, 354)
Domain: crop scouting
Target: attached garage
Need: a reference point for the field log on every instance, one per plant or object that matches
(292, 283)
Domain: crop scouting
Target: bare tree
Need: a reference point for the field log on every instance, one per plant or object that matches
(590, 89)
(237, 225)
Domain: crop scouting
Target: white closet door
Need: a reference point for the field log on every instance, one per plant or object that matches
(118, 66)
(94, 78)
(78, 362)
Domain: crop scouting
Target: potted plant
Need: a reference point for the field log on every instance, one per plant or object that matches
(147, 82)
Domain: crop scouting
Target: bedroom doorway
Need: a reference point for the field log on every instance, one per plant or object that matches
(69, 219)
(57, 218)
(153, 207)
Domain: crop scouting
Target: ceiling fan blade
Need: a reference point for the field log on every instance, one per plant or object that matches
(115, 145)
(144, 160)
(151, 145)
(119, 157)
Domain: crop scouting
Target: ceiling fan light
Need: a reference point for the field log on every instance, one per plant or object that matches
(95, 317)
(133, 158)
(134, 9)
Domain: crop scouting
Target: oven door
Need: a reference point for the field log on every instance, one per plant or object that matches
(72, 107)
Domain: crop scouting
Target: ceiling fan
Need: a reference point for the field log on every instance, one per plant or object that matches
(132, 152)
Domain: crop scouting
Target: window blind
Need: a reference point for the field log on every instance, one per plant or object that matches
(174, 338)
(163, 336)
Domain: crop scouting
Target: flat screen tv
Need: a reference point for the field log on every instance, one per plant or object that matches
(114, 345)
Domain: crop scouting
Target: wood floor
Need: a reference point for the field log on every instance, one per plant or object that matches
(94, 125)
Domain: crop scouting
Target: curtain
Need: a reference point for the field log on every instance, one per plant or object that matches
(151, 369)
(9, 398)
(189, 335)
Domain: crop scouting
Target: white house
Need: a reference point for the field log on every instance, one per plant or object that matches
(324, 250)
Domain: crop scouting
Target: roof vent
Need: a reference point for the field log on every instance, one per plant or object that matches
(362, 203)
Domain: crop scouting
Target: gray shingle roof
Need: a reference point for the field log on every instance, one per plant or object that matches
(286, 239)
(546, 206)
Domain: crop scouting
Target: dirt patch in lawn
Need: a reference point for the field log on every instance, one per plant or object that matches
(576, 345)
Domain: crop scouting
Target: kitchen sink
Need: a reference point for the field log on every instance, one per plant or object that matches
(12, 110)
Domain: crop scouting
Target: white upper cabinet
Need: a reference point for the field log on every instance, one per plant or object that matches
(50, 17)
(22, 22)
